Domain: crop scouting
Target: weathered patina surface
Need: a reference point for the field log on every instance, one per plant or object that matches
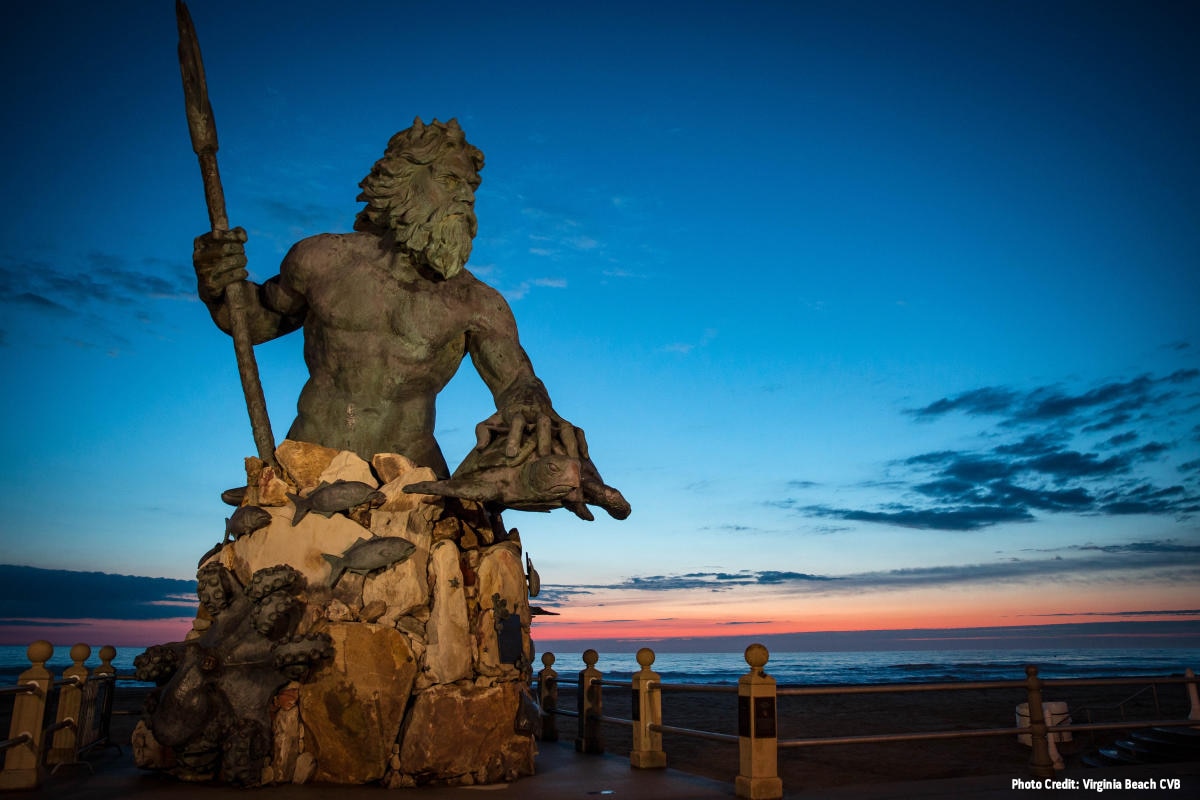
(388, 314)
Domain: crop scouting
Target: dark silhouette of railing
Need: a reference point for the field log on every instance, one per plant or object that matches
(84, 712)
(757, 738)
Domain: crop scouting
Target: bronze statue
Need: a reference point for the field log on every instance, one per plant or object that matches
(388, 313)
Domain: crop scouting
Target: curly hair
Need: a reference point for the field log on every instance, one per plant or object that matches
(387, 189)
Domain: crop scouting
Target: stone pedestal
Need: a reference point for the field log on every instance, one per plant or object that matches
(412, 666)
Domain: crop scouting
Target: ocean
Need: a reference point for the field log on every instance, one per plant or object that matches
(896, 666)
(890, 666)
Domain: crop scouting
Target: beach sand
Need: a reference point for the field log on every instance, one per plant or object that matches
(850, 715)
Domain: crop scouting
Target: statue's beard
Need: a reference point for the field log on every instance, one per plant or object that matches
(443, 240)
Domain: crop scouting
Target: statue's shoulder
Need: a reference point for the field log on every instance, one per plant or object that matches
(327, 252)
(331, 245)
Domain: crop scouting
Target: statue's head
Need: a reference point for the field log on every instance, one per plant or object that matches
(421, 195)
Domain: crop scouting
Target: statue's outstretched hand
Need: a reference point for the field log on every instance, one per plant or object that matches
(532, 432)
(219, 258)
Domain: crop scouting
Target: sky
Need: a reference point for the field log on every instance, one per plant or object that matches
(881, 315)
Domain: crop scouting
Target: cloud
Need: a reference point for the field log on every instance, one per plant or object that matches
(303, 217)
(1164, 560)
(1043, 456)
(1134, 614)
(955, 518)
(1050, 403)
(87, 288)
(30, 592)
(684, 348)
(520, 290)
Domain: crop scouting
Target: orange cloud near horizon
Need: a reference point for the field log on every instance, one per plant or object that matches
(633, 614)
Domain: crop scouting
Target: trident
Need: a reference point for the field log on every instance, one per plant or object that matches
(204, 142)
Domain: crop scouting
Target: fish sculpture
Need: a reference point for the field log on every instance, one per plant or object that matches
(245, 521)
(532, 576)
(329, 498)
(538, 484)
(367, 555)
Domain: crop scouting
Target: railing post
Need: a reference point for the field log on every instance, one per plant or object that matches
(758, 745)
(1040, 763)
(590, 705)
(22, 769)
(647, 750)
(548, 697)
(1192, 694)
(62, 750)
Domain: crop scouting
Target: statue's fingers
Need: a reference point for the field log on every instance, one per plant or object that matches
(566, 433)
(483, 433)
(544, 440)
(516, 430)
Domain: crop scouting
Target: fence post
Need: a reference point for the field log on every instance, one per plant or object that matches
(22, 769)
(1192, 694)
(62, 750)
(590, 705)
(647, 750)
(1039, 762)
(758, 744)
(548, 697)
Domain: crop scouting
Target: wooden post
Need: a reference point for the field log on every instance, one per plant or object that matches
(590, 705)
(22, 767)
(1192, 694)
(758, 745)
(62, 750)
(1040, 763)
(95, 718)
(548, 697)
(647, 750)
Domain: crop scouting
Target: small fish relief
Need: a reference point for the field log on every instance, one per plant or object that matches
(368, 555)
(330, 498)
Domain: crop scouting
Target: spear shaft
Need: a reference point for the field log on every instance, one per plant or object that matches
(203, 130)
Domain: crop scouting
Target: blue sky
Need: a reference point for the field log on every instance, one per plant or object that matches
(872, 310)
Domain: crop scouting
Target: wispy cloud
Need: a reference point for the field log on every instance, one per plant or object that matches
(1166, 560)
(684, 348)
(87, 288)
(522, 289)
(1057, 452)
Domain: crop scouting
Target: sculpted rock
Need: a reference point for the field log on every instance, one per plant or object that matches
(400, 500)
(300, 547)
(353, 708)
(147, 752)
(264, 487)
(304, 462)
(434, 743)
(503, 629)
(287, 734)
(448, 634)
(347, 466)
(389, 466)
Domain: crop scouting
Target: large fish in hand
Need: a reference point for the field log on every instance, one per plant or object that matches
(539, 484)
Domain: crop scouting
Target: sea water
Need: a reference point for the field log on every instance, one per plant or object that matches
(897, 666)
(885, 666)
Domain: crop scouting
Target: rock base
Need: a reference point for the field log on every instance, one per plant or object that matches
(410, 667)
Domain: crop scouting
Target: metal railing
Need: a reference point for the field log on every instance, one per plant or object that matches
(83, 700)
(757, 736)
